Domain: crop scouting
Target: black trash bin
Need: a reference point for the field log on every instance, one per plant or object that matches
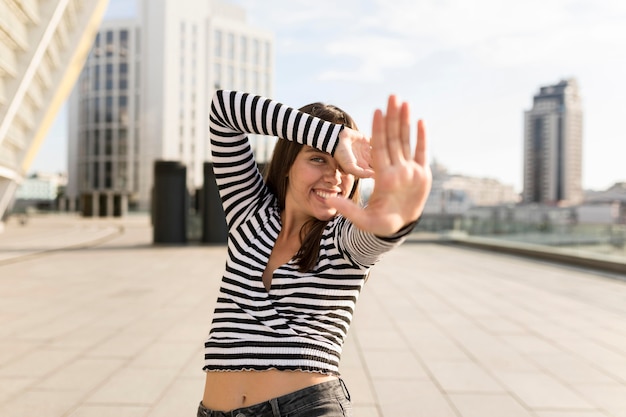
(214, 228)
(170, 202)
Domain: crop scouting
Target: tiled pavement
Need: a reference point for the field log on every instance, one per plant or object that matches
(96, 321)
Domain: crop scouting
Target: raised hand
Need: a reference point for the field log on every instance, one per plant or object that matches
(353, 153)
(402, 180)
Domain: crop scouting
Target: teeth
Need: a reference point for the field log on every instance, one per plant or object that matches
(324, 194)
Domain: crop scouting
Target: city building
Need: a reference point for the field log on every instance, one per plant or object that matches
(454, 194)
(43, 45)
(39, 191)
(553, 146)
(144, 95)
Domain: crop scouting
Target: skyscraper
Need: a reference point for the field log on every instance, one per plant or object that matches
(43, 45)
(553, 146)
(144, 95)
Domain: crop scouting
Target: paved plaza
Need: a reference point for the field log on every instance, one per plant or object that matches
(95, 321)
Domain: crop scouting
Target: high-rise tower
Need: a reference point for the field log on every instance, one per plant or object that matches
(553, 146)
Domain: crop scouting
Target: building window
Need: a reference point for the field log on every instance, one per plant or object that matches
(122, 142)
(96, 50)
(96, 175)
(217, 68)
(230, 46)
(96, 77)
(218, 43)
(108, 142)
(255, 52)
(108, 109)
(95, 108)
(109, 43)
(123, 43)
(108, 175)
(123, 75)
(96, 142)
(123, 109)
(244, 49)
(109, 77)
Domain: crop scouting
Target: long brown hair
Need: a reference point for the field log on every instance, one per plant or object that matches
(277, 180)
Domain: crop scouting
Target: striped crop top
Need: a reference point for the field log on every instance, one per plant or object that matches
(302, 321)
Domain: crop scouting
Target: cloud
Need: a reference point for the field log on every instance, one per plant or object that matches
(369, 56)
(361, 41)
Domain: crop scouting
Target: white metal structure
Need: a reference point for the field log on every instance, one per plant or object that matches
(43, 45)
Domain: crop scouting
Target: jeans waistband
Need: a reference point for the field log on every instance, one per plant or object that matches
(284, 404)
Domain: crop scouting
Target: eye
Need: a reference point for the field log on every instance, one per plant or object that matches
(318, 159)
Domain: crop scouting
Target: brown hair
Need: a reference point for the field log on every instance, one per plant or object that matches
(277, 180)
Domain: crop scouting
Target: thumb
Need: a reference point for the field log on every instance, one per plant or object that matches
(348, 209)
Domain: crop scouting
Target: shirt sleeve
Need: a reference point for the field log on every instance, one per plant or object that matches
(364, 248)
(233, 116)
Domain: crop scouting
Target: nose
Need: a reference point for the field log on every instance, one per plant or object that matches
(332, 175)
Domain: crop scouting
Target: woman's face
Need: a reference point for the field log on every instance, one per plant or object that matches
(314, 176)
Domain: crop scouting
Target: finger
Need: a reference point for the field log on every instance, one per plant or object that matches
(361, 172)
(350, 210)
(393, 125)
(380, 154)
(405, 130)
(421, 146)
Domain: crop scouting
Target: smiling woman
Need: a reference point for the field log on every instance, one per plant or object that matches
(300, 248)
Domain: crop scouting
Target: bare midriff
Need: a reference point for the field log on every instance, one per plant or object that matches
(226, 391)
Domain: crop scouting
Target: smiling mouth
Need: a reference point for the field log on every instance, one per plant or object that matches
(327, 194)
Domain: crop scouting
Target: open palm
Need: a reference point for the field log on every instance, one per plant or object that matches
(402, 179)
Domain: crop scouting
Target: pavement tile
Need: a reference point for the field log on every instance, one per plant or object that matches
(430, 343)
(573, 370)
(81, 375)
(608, 397)
(604, 358)
(11, 349)
(113, 410)
(566, 413)
(531, 345)
(161, 355)
(122, 345)
(463, 377)
(398, 365)
(38, 363)
(491, 352)
(132, 387)
(180, 399)
(41, 403)
(10, 387)
(416, 398)
(365, 411)
(489, 405)
(538, 390)
(382, 339)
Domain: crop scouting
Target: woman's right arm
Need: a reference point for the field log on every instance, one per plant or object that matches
(233, 116)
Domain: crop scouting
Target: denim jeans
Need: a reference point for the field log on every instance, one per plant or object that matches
(328, 399)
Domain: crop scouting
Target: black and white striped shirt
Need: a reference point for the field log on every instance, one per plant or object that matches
(302, 321)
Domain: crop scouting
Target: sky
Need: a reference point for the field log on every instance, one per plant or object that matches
(469, 68)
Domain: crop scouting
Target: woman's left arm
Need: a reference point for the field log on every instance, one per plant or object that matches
(402, 179)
